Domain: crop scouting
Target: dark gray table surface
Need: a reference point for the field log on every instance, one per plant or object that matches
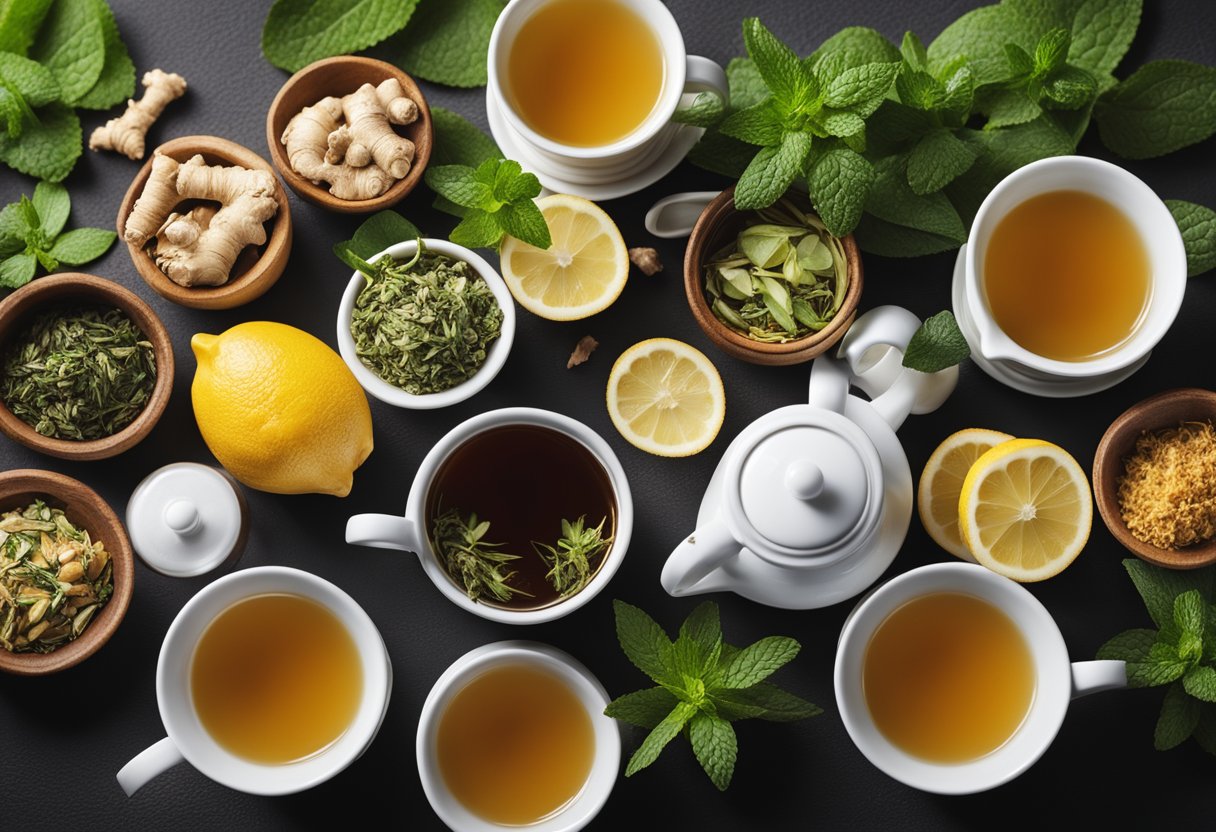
(62, 738)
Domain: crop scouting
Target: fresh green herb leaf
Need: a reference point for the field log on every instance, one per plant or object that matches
(1070, 88)
(1162, 107)
(760, 124)
(756, 662)
(937, 160)
(1178, 720)
(1200, 682)
(643, 708)
(1198, 226)
(116, 83)
(936, 345)
(657, 739)
(48, 148)
(447, 41)
(850, 47)
(1051, 52)
(1009, 107)
(838, 183)
(746, 85)
(498, 197)
(703, 627)
(1129, 646)
(30, 234)
(771, 172)
(980, 36)
(719, 153)
(706, 110)
(891, 198)
(1162, 666)
(82, 245)
(913, 51)
(715, 746)
(1159, 587)
(643, 641)
(788, 81)
(71, 45)
(860, 84)
(476, 565)
(1190, 613)
(1102, 31)
(763, 701)
(19, 22)
(477, 229)
(378, 232)
(52, 205)
(460, 142)
(298, 32)
(28, 84)
(456, 183)
(17, 270)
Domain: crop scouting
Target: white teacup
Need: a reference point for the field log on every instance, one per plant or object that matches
(188, 740)
(1057, 681)
(408, 532)
(1151, 219)
(624, 157)
(587, 803)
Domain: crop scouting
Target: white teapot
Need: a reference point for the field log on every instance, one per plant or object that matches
(810, 503)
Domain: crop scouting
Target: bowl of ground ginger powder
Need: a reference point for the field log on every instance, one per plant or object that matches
(1155, 478)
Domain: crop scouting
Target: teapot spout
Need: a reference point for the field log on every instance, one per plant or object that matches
(699, 555)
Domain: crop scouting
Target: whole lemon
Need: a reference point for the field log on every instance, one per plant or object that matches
(279, 409)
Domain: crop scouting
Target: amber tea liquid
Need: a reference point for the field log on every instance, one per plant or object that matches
(584, 72)
(948, 677)
(1067, 276)
(524, 479)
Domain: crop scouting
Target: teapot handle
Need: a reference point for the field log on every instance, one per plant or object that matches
(698, 555)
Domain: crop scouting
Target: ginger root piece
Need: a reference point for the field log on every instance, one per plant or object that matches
(371, 132)
(582, 351)
(178, 235)
(646, 259)
(157, 199)
(126, 133)
(307, 140)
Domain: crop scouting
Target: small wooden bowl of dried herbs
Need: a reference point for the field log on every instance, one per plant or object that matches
(428, 327)
(86, 367)
(1155, 478)
(771, 286)
(66, 572)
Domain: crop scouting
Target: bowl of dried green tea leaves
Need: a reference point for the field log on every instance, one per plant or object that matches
(427, 324)
(772, 286)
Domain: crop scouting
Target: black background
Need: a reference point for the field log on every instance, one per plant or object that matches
(62, 738)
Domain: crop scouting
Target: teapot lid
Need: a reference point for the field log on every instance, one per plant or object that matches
(809, 481)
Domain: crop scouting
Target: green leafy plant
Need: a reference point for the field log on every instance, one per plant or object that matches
(31, 234)
(936, 345)
(703, 685)
(906, 164)
(1180, 653)
(378, 232)
(56, 56)
(492, 199)
(1198, 226)
(438, 40)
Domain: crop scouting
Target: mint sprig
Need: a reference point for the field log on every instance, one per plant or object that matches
(703, 685)
(492, 199)
(1180, 653)
(938, 344)
(31, 234)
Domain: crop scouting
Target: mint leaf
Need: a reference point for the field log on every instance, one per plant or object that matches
(298, 32)
(12, 230)
(891, 198)
(18, 270)
(378, 232)
(1102, 31)
(886, 239)
(937, 160)
(703, 626)
(1161, 107)
(644, 642)
(1159, 587)
(82, 245)
(1070, 88)
(71, 45)
(643, 708)
(860, 84)
(477, 229)
(842, 124)
(1200, 682)
(53, 205)
(1178, 720)
(936, 345)
(722, 154)
(838, 182)
(447, 42)
(511, 183)
(47, 149)
(524, 221)
(790, 84)
(29, 79)
(771, 172)
(1162, 666)
(980, 36)
(1129, 646)
(759, 125)
(747, 87)
(706, 110)
(1006, 108)
(1198, 226)
(763, 701)
(919, 89)
(660, 735)
(755, 663)
(19, 21)
(913, 51)
(116, 83)
(715, 746)
(850, 47)
(458, 141)
(1190, 613)
(459, 184)
(1051, 51)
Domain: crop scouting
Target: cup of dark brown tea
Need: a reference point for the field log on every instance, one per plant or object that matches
(518, 515)
(954, 680)
(270, 681)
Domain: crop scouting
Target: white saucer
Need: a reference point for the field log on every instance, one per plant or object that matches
(686, 136)
(1011, 376)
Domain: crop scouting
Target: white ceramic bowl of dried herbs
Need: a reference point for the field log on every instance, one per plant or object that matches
(428, 327)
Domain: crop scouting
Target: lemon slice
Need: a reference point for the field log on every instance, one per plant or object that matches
(666, 397)
(942, 480)
(1025, 509)
(582, 273)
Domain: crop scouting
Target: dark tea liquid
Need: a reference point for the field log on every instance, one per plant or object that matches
(524, 479)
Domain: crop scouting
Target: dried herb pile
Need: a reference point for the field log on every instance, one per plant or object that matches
(425, 325)
(78, 373)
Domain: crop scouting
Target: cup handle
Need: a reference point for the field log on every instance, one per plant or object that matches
(704, 75)
(383, 531)
(147, 764)
(1095, 676)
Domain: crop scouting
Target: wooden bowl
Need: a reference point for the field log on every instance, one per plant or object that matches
(1165, 410)
(84, 507)
(255, 271)
(716, 226)
(338, 77)
(58, 289)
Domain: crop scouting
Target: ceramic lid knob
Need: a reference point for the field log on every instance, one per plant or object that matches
(186, 519)
(804, 479)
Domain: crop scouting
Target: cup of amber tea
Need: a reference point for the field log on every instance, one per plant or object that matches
(954, 680)
(518, 515)
(587, 88)
(270, 680)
